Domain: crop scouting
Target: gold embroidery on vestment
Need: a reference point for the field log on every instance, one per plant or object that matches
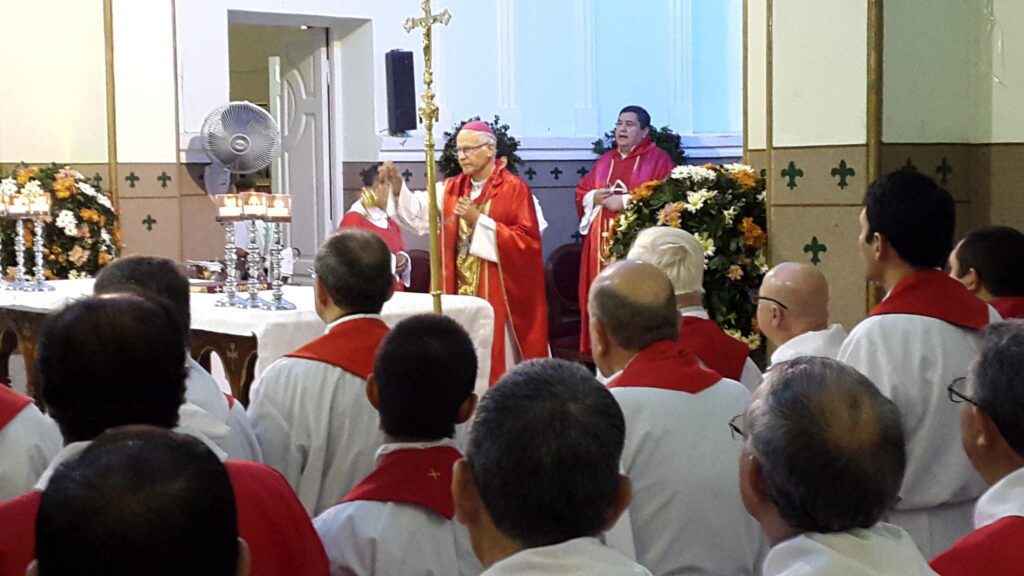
(467, 266)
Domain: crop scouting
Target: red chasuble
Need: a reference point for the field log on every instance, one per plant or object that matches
(934, 294)
(1009, 307)
(666, 365)
(514, 285)
(351, 346)
(646, 162)
(271, 520)
(11, 404)
(719, 351)
(994, 550)
(415, 476)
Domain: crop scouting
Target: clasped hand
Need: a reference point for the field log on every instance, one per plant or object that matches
(467, 210)
(610, 200)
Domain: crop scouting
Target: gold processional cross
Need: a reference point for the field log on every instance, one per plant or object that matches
(428, 114)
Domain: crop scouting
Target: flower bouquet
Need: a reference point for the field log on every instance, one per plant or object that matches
(723, 207)
(80, 237)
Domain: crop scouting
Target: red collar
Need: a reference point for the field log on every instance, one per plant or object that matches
(934, 294)
(350, 345)
(421, 476)
(11, 404)
(1010, 306)
(666, 365)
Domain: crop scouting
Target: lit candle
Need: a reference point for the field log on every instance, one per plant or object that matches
(279, 209)
(230, 207)
(255, 205)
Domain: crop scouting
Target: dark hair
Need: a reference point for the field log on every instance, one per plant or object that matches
(544, 451)
(355, 267)
(370, 174)
(830, 445)
(244, 184)
(425, 369)
(641, 115)
(997, 254)
(915, 216)
(636, 325)
(139, 500)
(997, 382)
(112, 360)
(151, 274)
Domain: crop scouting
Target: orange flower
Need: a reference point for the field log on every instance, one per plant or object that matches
(103, 259)
(116, 235)
(746, 179)
(64, 187)
(644, 190)
(28, 237)
(753, 235)
(713, 167)
(90, 215)
(49, 274)
(26, 174)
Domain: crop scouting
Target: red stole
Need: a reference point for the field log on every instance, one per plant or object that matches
(273, 522)
(392, 235)
(514, 286)
(934, 294)
(350, 345)
(719, 351)
(1009, 307)
(644, 163)
(415, 476)
(18, 533)
(11, 404)
(993, 550)
(666, 365)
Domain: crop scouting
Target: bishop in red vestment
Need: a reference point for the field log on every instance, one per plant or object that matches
(490, 244)
(602, 193)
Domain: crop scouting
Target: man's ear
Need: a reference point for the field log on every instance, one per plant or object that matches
(244, 558)
(466, 409)
(971, 280)
(752, 487)
(372, 394)
(33, 568)
(469, 508)
(323, 298)
(881, 246)
(623, 498)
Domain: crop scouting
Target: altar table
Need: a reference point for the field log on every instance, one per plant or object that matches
(246, 341)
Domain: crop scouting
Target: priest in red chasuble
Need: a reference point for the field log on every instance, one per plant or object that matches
(369, 213)
(490, 244)
(604, 191)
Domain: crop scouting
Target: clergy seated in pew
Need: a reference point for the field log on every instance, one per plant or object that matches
(792, 312)
(823, 458)
(687, 515)
(218, 416)
(370, 213)
(991, 402)
(546, 425)
(679, 255)
(989, 261)
(920, 337)
(117, 360)
(140, 500)
(29, 439)
(400, 518)
(309, 409)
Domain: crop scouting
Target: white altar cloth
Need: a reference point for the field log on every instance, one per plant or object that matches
(280, 332)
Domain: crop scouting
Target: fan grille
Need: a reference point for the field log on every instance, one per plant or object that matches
(241, 136)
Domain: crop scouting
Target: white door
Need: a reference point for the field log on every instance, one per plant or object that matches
(305, 149)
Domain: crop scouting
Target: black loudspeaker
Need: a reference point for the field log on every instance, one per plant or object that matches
(401, 91)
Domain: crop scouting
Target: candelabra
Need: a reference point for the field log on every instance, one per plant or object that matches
(40, 284)
(228, 211)
(280, 210)
(20, 278)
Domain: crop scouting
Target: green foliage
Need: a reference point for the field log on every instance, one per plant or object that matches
(81, 234)
(506, 147)
(663, 137)
(724, 208)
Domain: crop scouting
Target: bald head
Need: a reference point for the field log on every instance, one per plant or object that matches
(635, 304)
(795, 300)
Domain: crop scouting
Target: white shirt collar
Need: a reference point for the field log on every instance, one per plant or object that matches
(390, 447)
(824, 343)
(1002, 499)
(694, 311)
(350, 317)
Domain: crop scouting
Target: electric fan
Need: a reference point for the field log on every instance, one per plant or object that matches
(240, 138)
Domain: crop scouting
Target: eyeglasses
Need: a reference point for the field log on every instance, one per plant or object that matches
(736, 427)
(465, 150)
(956, 396)
(755, 298)
(312, 273)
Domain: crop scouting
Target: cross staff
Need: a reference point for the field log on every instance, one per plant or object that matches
(428, 114)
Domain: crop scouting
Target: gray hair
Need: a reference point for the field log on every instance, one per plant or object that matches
(830, 446)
